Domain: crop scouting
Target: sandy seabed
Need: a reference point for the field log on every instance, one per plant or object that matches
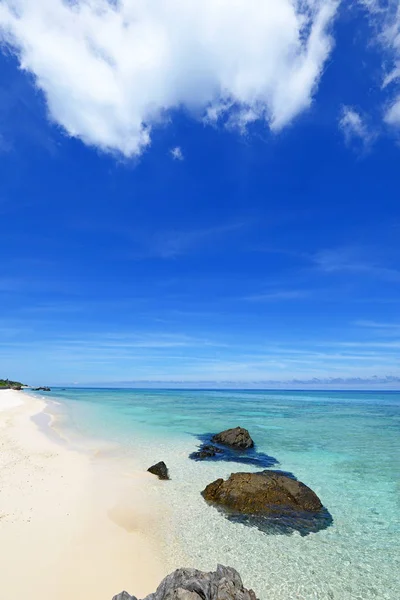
(72, 526)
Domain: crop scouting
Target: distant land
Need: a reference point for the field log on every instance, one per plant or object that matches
(373, 384)
(8, 384)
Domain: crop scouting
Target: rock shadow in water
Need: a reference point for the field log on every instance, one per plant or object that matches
(284, 523)
(228, 454)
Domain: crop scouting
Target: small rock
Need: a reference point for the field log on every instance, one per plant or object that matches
(206, 451)
(238, 437)
(160, 469)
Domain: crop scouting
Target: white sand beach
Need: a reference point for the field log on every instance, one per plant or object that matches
(70, 527)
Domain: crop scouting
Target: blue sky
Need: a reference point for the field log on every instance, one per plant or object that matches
(195, 197)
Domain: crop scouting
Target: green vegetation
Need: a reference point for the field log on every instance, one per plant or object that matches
(7, 383)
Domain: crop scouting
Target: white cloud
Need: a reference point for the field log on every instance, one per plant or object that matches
(391, 39)
(385, 18)
(392, 114)
(279, 295)
(111, 70)
(355, 260)
(353, 127)
(177, 153)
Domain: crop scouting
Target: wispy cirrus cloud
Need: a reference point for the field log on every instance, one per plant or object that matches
(110, 71)
(385, 327)
(167, 356)
(390, 39)
(355, 260)
(277, 295)
(370, 344)
(385, 21)
(170, 244)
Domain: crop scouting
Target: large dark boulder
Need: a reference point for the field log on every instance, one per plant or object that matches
(160, 469)
(267, 493)
(189, 584)
(238, 437)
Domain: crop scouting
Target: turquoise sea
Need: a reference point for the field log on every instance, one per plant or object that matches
(344, 445)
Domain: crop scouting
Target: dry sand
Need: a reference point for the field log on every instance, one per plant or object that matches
(72, 526)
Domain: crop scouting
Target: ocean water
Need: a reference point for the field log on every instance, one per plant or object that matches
(344, 445)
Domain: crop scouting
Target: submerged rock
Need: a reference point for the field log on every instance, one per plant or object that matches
(206, 451)
(272, 501)
(238, 437)
(160, 469)
(189, 584)
(221, 452)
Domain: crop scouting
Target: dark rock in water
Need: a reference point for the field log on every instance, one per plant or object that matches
(160, 469)
(261, 492)
(269, 500)
(219, 452)
(206, 451)
(189, 584)
(238, 437)
(41, 389)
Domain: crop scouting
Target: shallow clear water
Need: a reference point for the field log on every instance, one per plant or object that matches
(344, 445)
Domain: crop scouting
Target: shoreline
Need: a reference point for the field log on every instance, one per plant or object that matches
(72, 524)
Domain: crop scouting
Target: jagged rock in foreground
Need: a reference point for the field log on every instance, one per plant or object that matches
(238, 437)
(189, 584)
(160, 469)
(262, 493)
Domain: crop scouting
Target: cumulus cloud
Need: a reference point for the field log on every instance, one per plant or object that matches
(111, 70)
(354, 127)
(177, 153)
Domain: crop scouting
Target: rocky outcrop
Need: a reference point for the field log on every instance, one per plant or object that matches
(7, 384)
(160, 469)
(238, 437)
(41, 389)
(267, 492)
(189, 584)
